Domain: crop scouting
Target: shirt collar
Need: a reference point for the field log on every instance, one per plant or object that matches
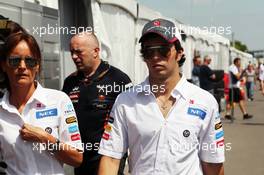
(37, 95)
(180, 88)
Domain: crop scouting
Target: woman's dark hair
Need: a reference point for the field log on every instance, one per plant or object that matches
(13, 40)
(10, 28)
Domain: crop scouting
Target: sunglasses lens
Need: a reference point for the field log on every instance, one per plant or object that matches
(31, 62)
(164, 51)
(14, 61)
(149, 52)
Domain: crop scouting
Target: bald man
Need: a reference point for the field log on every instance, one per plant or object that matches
(206, 75)
(93, 89)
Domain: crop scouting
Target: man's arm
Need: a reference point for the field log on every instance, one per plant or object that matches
(213, 168)
(108, 166)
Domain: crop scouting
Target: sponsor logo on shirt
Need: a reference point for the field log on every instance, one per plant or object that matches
(73, 129)
(106, 136)
(217, 117)
(191, 101)
(75, 137)
(220, 143)
(219, 135)
(108, 128)
(71, 119)
(111, 120)
(218, 125)
(47, 113)
(48, 130)
(69, 106)
(197, 112)
(39, 105)
(186, 133)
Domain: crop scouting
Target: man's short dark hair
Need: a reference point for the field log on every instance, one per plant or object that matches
(236, 60)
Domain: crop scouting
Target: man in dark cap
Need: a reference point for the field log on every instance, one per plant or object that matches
(172, 127)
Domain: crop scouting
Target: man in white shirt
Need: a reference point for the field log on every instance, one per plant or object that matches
(235, 96)
(261, 77)
(169, 125)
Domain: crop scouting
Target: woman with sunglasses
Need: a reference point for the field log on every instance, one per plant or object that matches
(38, 126)
(5, 30)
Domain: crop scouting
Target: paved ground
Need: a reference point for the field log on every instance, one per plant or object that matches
(247, 141)
(246, 138)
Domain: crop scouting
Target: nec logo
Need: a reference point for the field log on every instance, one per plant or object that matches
(197, 112)
(47, 113)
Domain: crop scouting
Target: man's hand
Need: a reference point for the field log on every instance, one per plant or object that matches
(33, 134)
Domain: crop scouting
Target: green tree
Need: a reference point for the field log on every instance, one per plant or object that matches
(240, 46)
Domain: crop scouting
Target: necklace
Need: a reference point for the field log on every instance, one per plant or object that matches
(162, 104)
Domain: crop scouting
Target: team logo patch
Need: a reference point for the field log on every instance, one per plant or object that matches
(219, 135)
(71, 119)
(48, 130)
(197, 112)
(75, 137)
(186, 133)
(47, 113)
(106, 136)
(218, 125)
(73, 129)
(220, 143)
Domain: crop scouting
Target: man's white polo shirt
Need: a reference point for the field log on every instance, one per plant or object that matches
(49, 109)
(191, 133)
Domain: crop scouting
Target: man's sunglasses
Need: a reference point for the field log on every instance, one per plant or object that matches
(149, 52)
(29, 61)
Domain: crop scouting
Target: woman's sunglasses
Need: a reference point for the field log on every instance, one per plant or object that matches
(149, 52)
(16, 60)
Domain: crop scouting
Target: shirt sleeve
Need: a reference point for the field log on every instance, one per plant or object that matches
(68, 125)
(233, 69)
(114, 142)
(212, 145)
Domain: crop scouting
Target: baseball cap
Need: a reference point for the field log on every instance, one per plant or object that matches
(166, 29)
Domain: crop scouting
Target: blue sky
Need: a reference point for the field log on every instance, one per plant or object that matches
(246, 17)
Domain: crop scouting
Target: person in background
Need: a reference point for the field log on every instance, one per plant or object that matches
(93, 89)
(236, 74)
(196, 70)
(261, 77)
(207, 75)
(38, 126)
(250, 81)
